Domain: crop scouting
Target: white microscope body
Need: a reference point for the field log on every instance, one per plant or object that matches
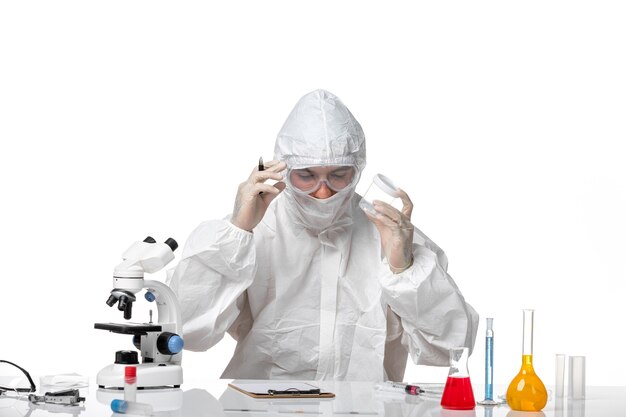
(160, 344)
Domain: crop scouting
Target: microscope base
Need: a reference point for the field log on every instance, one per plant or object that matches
(149, 375)
(168, 399)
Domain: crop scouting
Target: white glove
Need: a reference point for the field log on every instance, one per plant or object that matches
(396, 232)
(254, 196)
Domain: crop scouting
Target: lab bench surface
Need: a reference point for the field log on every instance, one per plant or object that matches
(216, 399)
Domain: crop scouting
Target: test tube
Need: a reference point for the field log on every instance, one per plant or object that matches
(130, 383)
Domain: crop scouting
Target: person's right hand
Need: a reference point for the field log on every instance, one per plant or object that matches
(254, 196)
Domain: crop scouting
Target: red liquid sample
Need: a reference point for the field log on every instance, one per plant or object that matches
(458, 394)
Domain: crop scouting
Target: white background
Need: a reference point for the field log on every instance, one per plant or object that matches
(503, 120)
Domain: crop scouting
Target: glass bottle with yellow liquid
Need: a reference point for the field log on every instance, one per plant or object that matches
(526, 391)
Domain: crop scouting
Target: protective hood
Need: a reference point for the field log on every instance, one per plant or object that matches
(320, 131)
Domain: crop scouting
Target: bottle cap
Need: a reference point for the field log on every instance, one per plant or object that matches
(386, 185)
(130, 371)
(119, 406)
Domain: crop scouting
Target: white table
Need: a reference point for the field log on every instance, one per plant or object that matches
(215, 399)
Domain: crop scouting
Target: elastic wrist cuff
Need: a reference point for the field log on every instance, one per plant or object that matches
(402, 269)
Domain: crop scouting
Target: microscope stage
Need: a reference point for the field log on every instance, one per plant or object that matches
(128, 328)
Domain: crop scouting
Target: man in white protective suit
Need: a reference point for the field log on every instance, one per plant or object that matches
(309, 285)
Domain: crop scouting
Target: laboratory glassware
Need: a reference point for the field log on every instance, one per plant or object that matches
(526, 391)
(458, 393)
(576, 381)
(488, 365)
(130, 383)
(381, 188)
(559, 375)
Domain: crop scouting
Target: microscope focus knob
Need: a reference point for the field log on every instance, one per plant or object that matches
(169, 343)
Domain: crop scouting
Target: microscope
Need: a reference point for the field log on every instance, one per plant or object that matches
(160, 344)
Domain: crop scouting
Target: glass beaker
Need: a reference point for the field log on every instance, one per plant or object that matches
(458, 393)
(526, 391)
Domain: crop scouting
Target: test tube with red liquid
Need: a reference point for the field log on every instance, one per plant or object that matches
(130, 383)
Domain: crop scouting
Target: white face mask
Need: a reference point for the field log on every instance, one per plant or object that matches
(317, 214)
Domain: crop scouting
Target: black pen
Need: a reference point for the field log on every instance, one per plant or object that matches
(261, 168)
(293, 391)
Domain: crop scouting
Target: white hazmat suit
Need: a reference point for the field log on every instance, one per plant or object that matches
(308, 294)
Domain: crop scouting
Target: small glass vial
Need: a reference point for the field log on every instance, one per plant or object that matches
(381, 188)
(130, 383)
(458, 393)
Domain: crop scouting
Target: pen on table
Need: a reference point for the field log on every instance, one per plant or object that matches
(246, 409)
(399, 387)
(294, 392)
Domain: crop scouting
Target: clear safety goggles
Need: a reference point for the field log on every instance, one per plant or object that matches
(308, 180)
(14, 378)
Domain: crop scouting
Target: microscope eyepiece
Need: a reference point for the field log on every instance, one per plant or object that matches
(171, 243)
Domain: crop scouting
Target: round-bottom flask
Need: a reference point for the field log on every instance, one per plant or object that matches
(458, 393)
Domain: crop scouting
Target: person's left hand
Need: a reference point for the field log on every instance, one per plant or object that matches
(396, 232)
